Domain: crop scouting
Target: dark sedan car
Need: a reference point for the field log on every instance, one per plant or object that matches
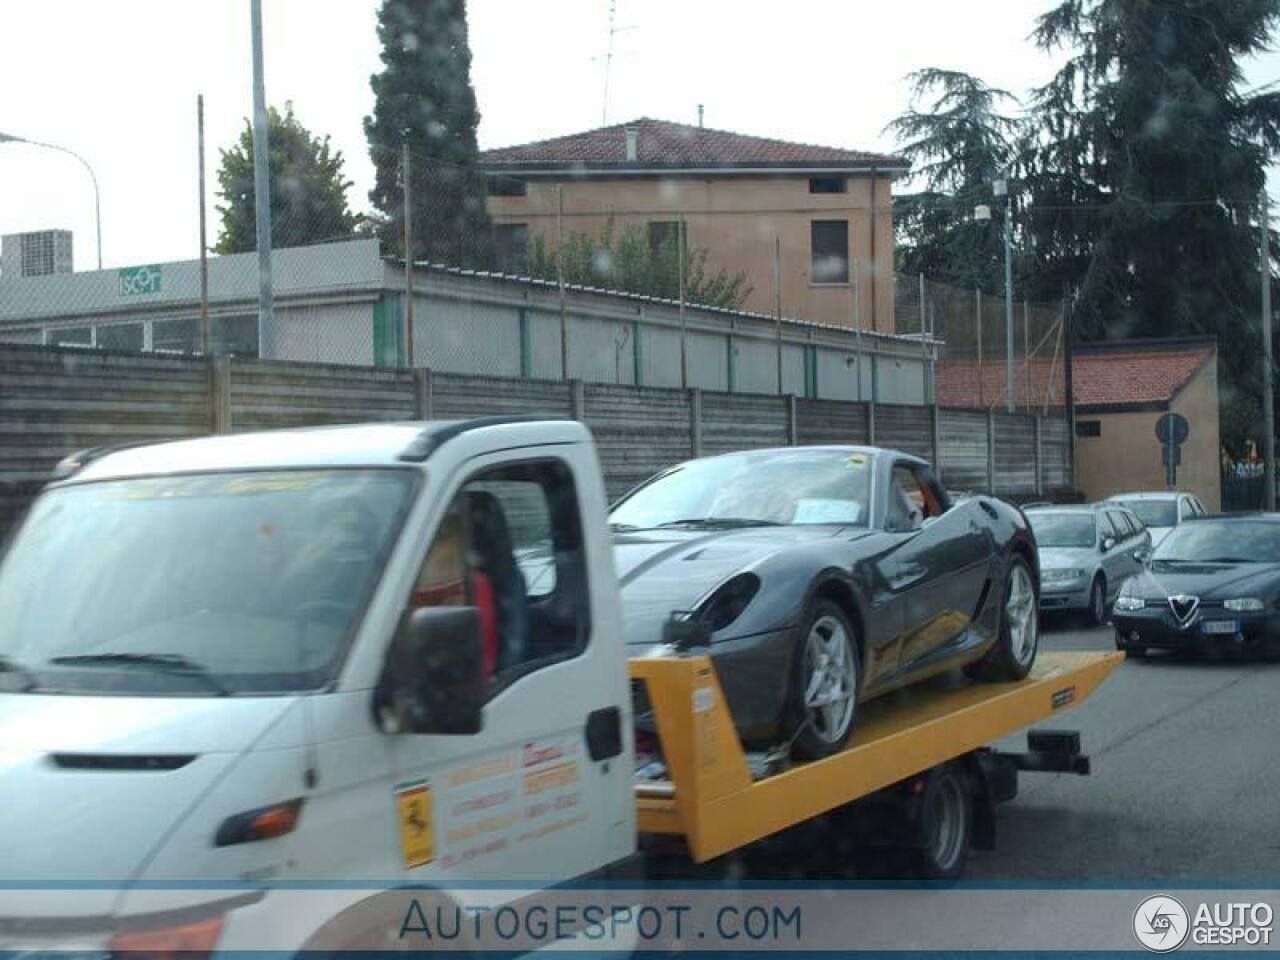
(824, 576)
(1213, 585)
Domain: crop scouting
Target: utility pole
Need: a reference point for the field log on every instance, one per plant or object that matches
(1010, 383)
(684, 332)
(407, 176)
(262, 194)
(204, 242)
(1268, 385)
(777, 304)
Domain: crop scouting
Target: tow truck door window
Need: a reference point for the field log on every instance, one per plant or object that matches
(520, 797)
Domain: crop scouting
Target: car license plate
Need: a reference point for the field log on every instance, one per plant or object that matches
(1221, 626)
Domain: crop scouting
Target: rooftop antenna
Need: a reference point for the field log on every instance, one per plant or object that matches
(608, 61)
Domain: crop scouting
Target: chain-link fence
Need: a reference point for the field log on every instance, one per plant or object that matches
(744, 284)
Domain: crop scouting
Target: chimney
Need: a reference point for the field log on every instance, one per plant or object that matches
(699, 115)
(632, 136)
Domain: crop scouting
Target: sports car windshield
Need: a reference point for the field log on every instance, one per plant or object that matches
(1063, 529)
(1154, 513)
(804, 487)
(217, 583)
(1209, 542)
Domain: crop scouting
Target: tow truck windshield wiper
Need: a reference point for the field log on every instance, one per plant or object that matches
(12, 666)
(1228, 560)
(719, 522)
(174, 663)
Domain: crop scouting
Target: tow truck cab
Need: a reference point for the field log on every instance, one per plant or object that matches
(321, 738)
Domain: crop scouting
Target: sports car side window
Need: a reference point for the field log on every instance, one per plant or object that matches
(909, 500)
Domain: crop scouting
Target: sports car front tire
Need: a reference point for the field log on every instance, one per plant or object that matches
(822, 692)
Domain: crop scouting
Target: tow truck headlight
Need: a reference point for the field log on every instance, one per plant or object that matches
(1127, 601)
(1244, 605)
(1061, 576)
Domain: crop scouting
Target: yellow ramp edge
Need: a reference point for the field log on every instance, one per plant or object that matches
(716, 806)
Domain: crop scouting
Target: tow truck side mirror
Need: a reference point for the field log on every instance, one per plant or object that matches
(433, 677)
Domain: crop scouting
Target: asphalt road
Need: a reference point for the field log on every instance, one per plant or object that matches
(1185, 783)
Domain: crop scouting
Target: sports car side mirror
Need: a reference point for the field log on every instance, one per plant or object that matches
(1108, 545)
(685, 631)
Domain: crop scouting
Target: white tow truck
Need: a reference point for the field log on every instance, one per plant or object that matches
(257, 689)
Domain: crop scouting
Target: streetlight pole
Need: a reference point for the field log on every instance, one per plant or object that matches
(1010, 382)
(97, 200)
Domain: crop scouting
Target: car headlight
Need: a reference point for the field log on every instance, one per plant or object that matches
(727, 603)
(1127, 601)
(1245, 605)
(1060, 576)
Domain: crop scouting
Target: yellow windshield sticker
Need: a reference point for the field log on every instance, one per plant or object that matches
(414, 810)
(858, 461)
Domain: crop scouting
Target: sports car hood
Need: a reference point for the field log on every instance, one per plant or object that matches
(91, 784)
(1064, 558)
(1208, 581)
(665, 570)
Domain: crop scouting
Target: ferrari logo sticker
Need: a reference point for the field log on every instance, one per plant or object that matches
(417, 829)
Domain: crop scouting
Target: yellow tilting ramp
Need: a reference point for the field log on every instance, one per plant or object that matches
(712, 800)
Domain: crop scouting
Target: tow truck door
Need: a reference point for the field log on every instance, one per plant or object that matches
(542, 791)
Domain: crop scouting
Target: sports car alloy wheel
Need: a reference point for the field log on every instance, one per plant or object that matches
(832, 673)
(1020, 610)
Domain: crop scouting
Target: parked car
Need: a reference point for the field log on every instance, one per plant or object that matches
(1087, 552)
(1161, 510)
(824, 576)
(1213, 584)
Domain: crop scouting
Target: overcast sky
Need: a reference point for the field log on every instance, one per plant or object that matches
(117, 82)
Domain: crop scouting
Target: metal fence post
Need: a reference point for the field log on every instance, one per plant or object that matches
(578, 400)
(935, 438)
(871, 423)
(220, 393)
(793, 424)
(1038, 460)
(422, 399)
(991, 451)
(695, 421)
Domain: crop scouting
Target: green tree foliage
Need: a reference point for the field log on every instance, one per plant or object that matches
(308, 190)
(624, 260)
(1144, 166)
(423, 97)
(959, 141)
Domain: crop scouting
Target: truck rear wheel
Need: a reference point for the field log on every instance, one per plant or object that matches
(945, 826)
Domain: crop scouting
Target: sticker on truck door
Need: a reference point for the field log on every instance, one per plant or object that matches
(417, 827)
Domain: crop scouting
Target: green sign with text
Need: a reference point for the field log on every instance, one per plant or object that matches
(139, 281)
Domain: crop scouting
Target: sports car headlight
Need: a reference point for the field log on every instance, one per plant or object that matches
(1061, 576)
(727, 603)
(1245, 605)
(1127, 601)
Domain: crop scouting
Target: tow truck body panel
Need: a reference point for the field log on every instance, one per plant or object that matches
(714, 801)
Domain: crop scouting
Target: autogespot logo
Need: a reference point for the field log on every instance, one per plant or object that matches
(1161, 923)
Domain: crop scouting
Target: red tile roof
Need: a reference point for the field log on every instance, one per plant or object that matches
(678, 146)
(1102, 375)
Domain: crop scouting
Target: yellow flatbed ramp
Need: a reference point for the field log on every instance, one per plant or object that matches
(714, 802)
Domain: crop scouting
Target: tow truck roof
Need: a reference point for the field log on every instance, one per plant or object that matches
(353, 445)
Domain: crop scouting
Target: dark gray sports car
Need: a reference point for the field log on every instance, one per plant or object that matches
(824, 576)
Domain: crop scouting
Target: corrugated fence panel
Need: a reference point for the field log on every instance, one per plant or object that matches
(1055, 454)
(638, 431)
(962, 435)
(269, 395)
(905, 428)
(56, 401)
(1015, 439)
(458, 396)
(743, 421)
(830, 421)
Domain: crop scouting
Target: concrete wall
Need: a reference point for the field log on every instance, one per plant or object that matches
(736, 220)
(1127, 455)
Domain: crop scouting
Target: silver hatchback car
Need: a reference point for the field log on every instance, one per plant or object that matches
(1086, 554)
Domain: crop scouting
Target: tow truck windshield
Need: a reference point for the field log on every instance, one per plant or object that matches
(204, 585)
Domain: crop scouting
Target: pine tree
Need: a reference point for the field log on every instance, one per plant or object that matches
(423, 97)
(1144, 171)
(308, 190)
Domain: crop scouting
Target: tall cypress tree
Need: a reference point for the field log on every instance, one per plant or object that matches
(423, 97)
(1145, 169)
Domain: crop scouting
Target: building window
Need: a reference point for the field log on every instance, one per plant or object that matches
(121, 336)
(235, 336)
(178, 335)
(511, 246)
(828, 184)
(829, 241)
(507, 187)
(663, 234)
(1088, 428)
(70, 337)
